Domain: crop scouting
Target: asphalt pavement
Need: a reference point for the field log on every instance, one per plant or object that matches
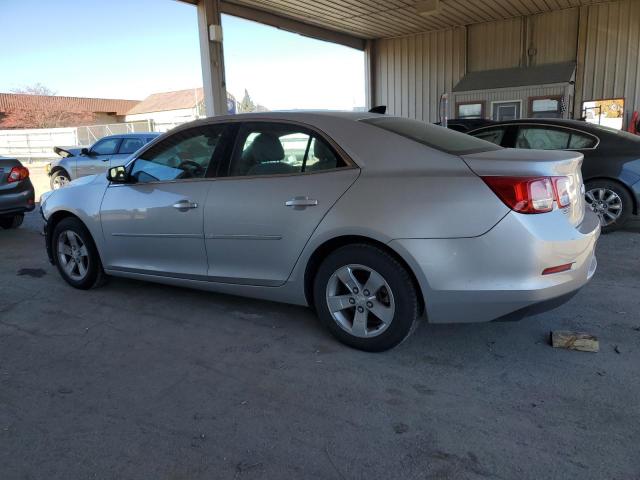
(144, 381)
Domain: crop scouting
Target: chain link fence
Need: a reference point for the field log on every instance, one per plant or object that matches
(37, 144)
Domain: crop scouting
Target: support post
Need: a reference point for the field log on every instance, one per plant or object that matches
(370, 74)
(212, 57)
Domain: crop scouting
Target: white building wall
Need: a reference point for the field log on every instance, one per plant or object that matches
(166, 120)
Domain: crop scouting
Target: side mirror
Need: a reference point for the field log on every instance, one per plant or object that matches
(118, 174)
(84, 151)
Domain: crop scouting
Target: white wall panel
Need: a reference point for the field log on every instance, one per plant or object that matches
(609, 54)
(412, 72)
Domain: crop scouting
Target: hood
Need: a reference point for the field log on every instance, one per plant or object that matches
(86, 180)
(65, 152)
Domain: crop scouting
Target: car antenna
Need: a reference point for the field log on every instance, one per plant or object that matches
(382, 109)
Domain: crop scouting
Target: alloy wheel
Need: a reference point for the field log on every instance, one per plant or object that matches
(360, 300)
(59, 182)
(606, 203)
(73, 255)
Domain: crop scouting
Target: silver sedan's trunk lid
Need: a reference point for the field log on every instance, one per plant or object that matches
(535, 163)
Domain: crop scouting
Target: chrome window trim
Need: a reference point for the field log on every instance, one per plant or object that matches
(323, 135)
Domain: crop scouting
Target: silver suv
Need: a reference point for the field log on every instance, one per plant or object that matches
(107, 152)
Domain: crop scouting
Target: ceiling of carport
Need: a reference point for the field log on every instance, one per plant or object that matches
(389, 18)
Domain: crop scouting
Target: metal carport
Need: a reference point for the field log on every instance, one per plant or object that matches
(418, 50)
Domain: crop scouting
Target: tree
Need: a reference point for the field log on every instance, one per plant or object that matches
(39, 118)
(35, 89)
(246, 105)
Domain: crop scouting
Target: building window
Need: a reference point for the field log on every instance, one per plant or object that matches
(470, 110)
(609, 113)
(546, 107)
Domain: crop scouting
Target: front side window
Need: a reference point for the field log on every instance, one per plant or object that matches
(493, 135)
(106, 146)
(184, 155)
(277, 149)
(434, 136)
(130, 145)
(470, 110)
(541, 138)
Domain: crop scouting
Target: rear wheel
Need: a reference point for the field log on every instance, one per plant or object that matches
(610, 201)
(59, 179)
(76, 255)
(366, 298)
(11, 221)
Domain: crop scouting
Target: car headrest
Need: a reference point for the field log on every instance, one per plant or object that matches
(322, 152)
(265, 148)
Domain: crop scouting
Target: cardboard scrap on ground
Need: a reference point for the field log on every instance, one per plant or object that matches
(583, 342)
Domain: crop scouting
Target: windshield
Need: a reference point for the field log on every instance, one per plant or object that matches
(433, 136)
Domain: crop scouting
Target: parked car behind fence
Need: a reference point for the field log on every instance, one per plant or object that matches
(109, 151)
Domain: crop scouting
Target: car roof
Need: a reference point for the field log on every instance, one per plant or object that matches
(561, 122)
(133, 135)
(290, 115)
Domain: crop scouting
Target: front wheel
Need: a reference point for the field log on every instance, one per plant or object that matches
(76, 255)
(59, 179)
(11, 221)
(366, 298)
(610, 201)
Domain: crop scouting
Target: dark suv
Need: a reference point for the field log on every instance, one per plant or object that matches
(16, 193)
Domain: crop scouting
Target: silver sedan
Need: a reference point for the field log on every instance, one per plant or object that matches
(373, 220)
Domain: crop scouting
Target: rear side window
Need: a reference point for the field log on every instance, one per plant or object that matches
(542, 138)
(433, 136)
(545, 138)
(582, 141)
(493, 135)
(130, 145)
(276, 149)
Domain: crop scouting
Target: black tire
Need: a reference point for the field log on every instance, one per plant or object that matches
(11, 221)
(399, 280)
(56, 177)
(95, 275)
(623, 195)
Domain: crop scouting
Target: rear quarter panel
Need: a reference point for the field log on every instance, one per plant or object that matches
(405, 190)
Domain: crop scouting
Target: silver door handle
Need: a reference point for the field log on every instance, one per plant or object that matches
(301, 202)
(185, 205)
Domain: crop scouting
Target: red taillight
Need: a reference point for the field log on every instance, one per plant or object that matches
(561, 185)
(17, 174)
(557, 269)
(530, 194)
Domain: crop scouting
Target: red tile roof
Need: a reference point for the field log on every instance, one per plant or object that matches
(14, 101)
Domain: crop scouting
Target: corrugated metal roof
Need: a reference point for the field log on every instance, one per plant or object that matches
(378, 19)
(17, 101)
(516, 77)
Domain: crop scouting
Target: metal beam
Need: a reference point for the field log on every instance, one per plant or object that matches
(212, 57)
(291, 25)
(370, 73)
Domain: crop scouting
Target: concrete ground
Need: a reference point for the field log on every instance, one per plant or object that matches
(143, 381)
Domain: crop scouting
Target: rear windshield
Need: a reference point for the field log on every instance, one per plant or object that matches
(620, 133)
(433, 136)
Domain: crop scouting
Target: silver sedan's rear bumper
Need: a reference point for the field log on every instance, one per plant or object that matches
(499, 274)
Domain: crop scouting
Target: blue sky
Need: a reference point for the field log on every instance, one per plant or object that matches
(132, 48)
